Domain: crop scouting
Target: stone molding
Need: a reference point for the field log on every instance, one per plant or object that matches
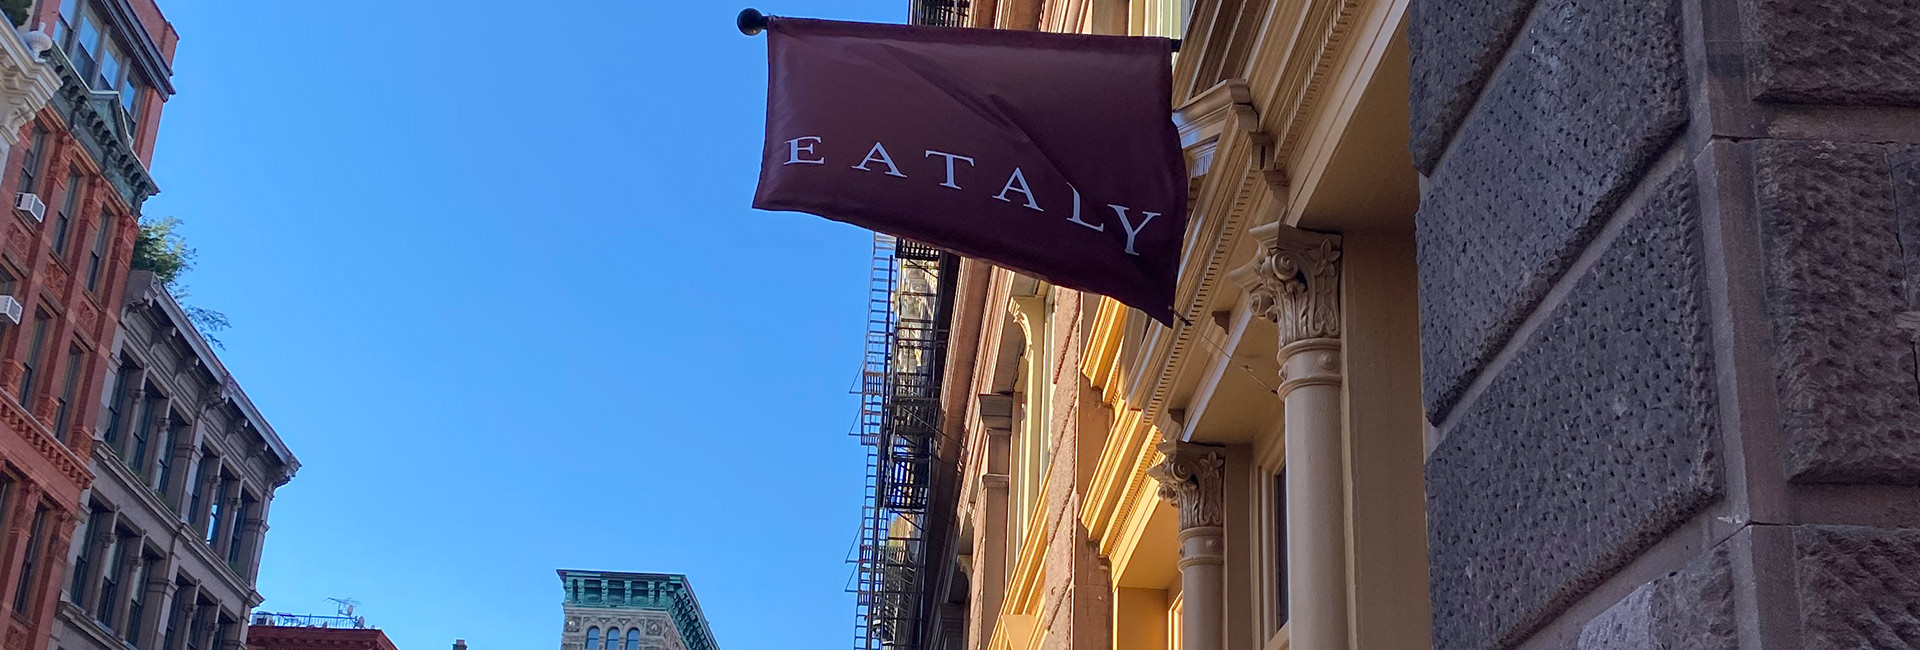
(1294, 281)
(26, 83)
(1191, 477)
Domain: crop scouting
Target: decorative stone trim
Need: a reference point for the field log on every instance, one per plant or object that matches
(1191, 477)
(1294, 281)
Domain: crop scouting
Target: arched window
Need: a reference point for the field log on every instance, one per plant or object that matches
(593, 638)
(633, 639)
(613, 638)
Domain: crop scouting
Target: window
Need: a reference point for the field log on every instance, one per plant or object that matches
(613, 638)
(64, 26)
(76, 366)
(122, 376)
(593, 638)
(236, 538)
(199, 498)
(30, 161)
(593, 590)
(137, 606)
(633, 639)
(83, 42)
(217, 512)
(142, 431)
(40, 319)
(1280, 550)
(63, 218)
(163, 479)
(98, 254)
(36, 538)
(615, 593)
(110, 582)
(83, 563)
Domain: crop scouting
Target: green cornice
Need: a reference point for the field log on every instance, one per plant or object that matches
(661, 592)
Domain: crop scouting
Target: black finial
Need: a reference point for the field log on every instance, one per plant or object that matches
(751, 22)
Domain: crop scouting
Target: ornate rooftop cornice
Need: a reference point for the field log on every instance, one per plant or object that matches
(103, 130)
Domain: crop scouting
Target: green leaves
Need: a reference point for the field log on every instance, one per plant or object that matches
(161, 250)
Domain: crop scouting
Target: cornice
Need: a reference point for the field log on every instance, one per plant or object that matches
(102, 132)
(28, 82)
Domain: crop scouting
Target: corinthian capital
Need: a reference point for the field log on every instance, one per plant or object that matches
(1294, 281)
(1190, 478)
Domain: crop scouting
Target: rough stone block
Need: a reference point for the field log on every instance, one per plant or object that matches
(1691, 608)
(1838, 293)
(1459, 43)
(1593, 443)
(1858, 587)
(1838, 51)
(1567, 130)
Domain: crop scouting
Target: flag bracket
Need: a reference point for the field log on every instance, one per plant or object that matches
(751, 22)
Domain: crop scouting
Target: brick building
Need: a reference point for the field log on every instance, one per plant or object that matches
(276, 637)
(76, 175)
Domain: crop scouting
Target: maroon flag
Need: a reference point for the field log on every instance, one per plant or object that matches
(1051, 154)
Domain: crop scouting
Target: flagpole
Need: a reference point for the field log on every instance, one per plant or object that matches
(751, 22)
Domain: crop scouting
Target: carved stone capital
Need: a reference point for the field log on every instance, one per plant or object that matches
(1190, 478)
(1294, 281)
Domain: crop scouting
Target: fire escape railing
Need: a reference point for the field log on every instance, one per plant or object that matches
(900, 427)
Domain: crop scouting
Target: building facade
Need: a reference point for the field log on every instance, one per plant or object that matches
(185, 472)
(607, 610)
(276, 637)
(1504, 324)
(86, 87)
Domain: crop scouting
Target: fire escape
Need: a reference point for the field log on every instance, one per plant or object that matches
(905, 356)
(900, 427)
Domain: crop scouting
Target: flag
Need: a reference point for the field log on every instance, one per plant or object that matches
(1050, 154)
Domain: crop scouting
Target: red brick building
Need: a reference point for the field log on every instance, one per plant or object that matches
(86, 97)
(274, 637)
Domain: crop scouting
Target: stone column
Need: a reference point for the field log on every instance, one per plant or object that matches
(991, 549)
(160, 593)
(183, 459)
(189, 611)
(1190, 478)
(1294, 281)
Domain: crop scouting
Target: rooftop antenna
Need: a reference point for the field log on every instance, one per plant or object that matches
(344, 606)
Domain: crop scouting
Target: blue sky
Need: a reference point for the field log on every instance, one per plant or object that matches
(493, 276)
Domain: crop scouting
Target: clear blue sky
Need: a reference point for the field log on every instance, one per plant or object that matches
(493, 276)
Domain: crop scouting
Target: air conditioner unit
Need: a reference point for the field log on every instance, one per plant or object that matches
(10, 308)
(30, 204)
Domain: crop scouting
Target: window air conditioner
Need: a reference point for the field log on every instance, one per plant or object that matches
(30, 204)
(11, 309)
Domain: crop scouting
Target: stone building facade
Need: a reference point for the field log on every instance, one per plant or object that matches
(1249, 478)
(1670, 268)
(85, 91)
(186, 467)
(608, 610)
(1505, 324)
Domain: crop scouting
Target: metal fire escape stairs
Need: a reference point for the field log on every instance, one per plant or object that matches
(900, 429)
